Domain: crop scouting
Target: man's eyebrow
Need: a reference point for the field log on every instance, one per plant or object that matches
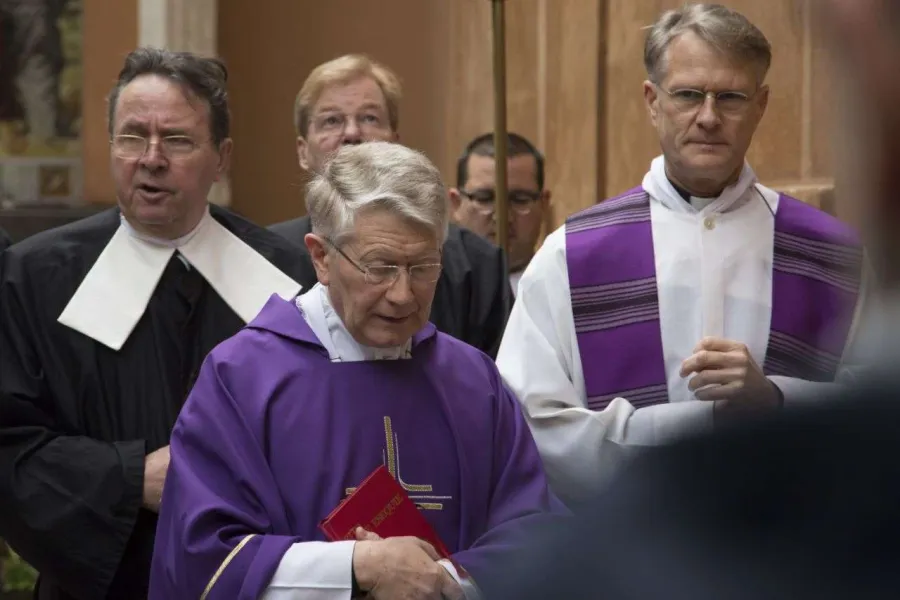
(137, 126)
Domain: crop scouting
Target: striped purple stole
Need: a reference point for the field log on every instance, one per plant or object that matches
(612, 279)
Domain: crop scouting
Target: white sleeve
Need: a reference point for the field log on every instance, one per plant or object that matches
(314, 571)
(539, 360)
(470, 590)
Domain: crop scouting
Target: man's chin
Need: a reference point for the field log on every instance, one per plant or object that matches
(384, 333)
(154, 216)
(718, 161)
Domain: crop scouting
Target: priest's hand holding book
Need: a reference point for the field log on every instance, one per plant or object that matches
(401, 567)
(723, 371)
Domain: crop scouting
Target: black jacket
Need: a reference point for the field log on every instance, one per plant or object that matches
(473, 296)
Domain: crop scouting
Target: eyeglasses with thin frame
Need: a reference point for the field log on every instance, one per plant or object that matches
(521, 202)
(727, 102)
(133, 147)
(388, 274)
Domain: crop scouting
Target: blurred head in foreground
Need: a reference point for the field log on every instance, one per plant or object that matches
(864, 40)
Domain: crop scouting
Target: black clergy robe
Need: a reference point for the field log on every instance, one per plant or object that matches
(473, 296)
(78, 418)
(5, 240)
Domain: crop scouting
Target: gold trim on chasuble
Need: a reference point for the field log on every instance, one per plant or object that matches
(422, 495)
(224, 565)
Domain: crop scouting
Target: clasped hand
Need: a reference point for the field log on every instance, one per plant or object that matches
(401, 568)
(725, 372)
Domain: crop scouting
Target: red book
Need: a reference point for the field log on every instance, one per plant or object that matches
(380, 505)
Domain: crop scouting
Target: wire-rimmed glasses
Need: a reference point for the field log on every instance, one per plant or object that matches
(388, 274)
(133, 147)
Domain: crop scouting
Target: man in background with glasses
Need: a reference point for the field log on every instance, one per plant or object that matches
(353, 99)
(696, 298)
(473, 203)
(104, 324)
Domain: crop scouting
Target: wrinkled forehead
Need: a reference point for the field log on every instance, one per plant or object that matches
(690, 61)
(389, 236)
(154, 103)
(351, 95)
(521, 172)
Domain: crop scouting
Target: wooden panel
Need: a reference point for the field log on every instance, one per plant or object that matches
(777, 152)
(110, 32)
(552, 66)
(469, 68)
(571, 117)
(821, 101)
(574, 74)
(629, 138)
(524, 75)
(263, 37)
(442, 51)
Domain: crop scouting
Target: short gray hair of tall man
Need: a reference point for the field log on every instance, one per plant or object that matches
(719, 26)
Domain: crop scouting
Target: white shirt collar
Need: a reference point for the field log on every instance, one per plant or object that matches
(319, 313)
(657, 184)
(114, 294)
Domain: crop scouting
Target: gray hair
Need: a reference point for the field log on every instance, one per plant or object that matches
(719, 26)
(376, 175)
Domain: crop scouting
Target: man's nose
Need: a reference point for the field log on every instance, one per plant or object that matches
(153, 158)
(400, 291)
(352, 132)
(708, 116)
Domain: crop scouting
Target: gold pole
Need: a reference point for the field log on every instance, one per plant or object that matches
(500, 133)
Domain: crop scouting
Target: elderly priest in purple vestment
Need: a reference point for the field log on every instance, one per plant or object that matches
(693, 298)
(296, 410)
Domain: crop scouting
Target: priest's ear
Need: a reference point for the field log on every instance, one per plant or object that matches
(321, 257)
(651, 99)
(224, 158)
(302, 153)
(455, 204)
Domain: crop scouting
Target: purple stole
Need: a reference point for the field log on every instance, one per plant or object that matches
(612, 280)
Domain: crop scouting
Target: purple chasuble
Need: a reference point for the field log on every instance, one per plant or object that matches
(275, 435)
(612, 279)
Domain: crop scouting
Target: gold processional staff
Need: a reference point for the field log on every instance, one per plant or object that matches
(500, 198)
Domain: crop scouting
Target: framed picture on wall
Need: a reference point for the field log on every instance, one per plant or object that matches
(40, 103)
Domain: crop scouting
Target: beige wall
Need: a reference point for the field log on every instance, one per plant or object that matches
(110, 32)
(270, 47)
(442, 51)
(553, 62)
(574, 74)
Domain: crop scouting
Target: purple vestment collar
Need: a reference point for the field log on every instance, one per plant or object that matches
(282, 317)
(612, 278)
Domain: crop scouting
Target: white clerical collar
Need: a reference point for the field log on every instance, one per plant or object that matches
(656, 183)
(114, 294)
(319, 313)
